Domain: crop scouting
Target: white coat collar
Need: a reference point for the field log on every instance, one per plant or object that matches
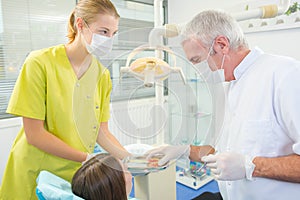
(247, 62)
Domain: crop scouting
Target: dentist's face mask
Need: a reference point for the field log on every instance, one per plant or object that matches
(100, 45)
(209, 75)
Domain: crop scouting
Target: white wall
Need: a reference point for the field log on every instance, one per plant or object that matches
(284, 42)
(181, 11)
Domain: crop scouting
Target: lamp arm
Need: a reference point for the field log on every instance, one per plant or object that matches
(179, 70)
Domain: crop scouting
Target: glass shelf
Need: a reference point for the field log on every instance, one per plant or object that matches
(196, 115)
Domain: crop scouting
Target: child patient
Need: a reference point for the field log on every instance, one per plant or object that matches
(102, 177)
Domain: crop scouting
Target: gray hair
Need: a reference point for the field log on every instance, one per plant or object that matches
(208, 25)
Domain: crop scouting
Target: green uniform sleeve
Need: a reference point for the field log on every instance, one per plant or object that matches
(29, 94)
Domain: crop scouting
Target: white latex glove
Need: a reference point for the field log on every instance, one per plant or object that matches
(170, 152)
(230, 166)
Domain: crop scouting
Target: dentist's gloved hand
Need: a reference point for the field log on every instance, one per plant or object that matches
(230, 166)
(169, 152)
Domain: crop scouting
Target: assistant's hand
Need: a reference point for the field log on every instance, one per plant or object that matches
(230, 166)
(170, 152)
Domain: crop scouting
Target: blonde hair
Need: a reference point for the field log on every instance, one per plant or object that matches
(87, 10)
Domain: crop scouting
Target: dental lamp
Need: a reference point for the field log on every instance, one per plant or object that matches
(150, 69)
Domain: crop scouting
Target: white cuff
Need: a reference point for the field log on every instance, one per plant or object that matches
(249, 166)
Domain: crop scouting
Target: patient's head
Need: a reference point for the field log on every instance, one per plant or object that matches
(102, 177)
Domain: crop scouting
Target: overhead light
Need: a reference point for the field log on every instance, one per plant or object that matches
(150, 69)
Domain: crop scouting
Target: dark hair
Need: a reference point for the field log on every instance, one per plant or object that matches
(88, 10)
(101, 177)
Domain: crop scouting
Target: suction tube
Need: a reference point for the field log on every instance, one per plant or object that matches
(173, 30)
(267, 11)
(166, 31)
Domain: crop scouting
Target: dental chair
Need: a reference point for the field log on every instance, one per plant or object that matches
(52, 187)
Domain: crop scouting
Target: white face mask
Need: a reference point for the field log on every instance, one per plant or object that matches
(217, 76)
(208, 75)
(100, 45)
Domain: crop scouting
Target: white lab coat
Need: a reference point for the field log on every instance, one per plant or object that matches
(262, 119)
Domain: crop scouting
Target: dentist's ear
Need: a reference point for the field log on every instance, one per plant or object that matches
(221, 44)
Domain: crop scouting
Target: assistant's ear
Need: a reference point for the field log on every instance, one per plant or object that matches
(221, 44)
(79, 23)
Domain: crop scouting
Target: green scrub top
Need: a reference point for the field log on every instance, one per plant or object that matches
(48, 89)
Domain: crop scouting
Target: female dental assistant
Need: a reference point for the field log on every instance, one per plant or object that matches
(63, 95)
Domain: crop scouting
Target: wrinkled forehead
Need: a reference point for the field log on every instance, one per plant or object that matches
(193, 48)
